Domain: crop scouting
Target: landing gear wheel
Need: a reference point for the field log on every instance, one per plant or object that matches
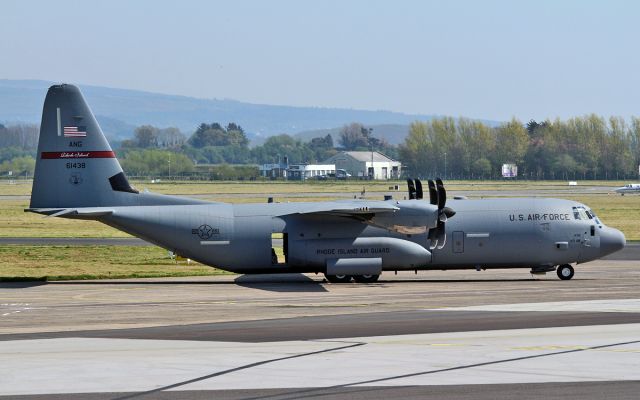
(338, 278)
(565, 272)
(366, 278)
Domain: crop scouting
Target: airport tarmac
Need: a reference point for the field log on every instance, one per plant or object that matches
(437, 334)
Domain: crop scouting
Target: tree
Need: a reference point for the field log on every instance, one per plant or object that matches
(171, 137)
(146, 136)
(18, 166)
(155, 162)
(634, 143)
(512, 142)
(322, 147)
(354, 136)
(482, 168)
(215, 135)
(564, 166)
(417, 150)
(278, 146)
(475, 141)
(23, 136)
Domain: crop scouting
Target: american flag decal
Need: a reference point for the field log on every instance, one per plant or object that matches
(75, 131)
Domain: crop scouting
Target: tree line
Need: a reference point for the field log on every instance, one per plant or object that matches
(588, 147)
(151, 150)
(18, 145)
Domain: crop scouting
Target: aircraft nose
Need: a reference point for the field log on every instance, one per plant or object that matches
(611, 240)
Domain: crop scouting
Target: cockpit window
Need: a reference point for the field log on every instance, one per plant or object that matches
(576, 214)
(581, 213)
(595, 217)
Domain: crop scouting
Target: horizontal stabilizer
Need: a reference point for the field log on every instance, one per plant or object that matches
(89, 213)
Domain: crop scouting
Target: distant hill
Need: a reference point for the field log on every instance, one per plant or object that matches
(392, 133)
(120, 110)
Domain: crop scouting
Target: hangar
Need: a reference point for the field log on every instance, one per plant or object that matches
(366, 163)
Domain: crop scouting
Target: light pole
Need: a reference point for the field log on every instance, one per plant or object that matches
(373, 171)
(445, 165)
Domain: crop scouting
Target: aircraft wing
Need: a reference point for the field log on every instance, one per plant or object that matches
(358, 210)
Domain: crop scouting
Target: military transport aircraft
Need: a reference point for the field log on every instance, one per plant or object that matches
(78, 176)
(629, 188)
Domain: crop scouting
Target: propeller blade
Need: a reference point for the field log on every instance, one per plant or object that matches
(442, 193)
(419, 193)
(433, 193)
(448, 211)
(433, 238)
(441, 235)
(412, 189)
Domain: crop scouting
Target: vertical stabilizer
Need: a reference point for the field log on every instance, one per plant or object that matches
(75, 165)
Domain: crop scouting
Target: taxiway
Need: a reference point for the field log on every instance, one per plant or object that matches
(453, 334)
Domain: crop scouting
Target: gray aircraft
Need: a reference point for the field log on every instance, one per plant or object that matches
(78, 176)
(629, 188)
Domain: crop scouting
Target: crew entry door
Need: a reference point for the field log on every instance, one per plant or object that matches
(458, 241)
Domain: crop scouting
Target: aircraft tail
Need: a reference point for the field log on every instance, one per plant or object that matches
(75, 166)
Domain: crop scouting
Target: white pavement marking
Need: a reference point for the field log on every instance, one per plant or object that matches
(614, 305)
(77, 365)
(15, 308)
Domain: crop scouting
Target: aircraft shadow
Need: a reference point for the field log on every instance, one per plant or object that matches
(281, 283)
(9, 284)
(269, 282)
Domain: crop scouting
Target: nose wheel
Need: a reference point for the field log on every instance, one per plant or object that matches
(565, 272)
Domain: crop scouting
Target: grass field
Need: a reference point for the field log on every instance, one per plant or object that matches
(92, 262)
(84, 262)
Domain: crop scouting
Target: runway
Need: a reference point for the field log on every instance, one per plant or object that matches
(445, 335)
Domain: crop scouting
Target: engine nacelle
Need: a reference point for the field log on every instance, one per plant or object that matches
(396, 254)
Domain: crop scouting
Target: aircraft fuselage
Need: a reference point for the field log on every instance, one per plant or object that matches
(497, 233)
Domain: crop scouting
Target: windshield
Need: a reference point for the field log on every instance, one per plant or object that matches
(582, 213)
(595, 217)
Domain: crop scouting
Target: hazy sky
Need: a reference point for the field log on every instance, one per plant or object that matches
(481, 59)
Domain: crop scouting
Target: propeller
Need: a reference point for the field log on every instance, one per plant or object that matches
(412, 189)
(419, 193)
(433, 194)
(438, 196)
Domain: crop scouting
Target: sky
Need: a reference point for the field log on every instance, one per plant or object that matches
(480, 59)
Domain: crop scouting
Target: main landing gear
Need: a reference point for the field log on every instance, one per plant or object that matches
(565, 272)
(347, 278)
(366, 278)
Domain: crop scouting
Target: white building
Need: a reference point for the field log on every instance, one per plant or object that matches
(309, 171)
(273, 170)
(366, 164)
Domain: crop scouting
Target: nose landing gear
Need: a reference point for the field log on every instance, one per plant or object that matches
(565, 272)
